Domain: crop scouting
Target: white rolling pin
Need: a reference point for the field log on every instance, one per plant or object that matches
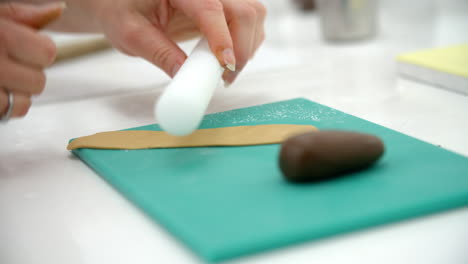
(183, 103)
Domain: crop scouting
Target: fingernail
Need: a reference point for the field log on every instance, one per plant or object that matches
(229, 59)
(175, 69)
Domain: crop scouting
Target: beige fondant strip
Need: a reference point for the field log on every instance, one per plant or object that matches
(224, 136)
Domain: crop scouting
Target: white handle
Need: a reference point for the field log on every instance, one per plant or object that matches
(183, 103)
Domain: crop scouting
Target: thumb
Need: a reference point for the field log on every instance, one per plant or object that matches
(36, 16)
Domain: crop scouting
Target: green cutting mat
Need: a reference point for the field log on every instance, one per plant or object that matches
(224, 202)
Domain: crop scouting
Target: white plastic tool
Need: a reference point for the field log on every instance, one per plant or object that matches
(183, 103)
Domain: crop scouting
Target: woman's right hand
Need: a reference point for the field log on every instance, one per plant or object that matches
(24, 53)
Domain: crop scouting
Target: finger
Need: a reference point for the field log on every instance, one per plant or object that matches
(208, 15)
(20, 78)
(3, 102)
(36, 16)
(258, 42)
(180, 28)
(242, 19)
(21, 104)
(139, 37)
(260, 25)
(26, 45)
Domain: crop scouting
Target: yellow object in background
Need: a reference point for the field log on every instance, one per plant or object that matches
(446, 67)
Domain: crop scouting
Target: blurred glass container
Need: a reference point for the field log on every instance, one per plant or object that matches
(305, 5)
(348, 20)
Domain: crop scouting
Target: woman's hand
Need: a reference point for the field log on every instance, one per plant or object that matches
(24, 53)
(149, 29)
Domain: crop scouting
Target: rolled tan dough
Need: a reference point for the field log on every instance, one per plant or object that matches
(224, 136)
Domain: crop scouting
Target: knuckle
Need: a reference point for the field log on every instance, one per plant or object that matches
(260, 8)
(246, 12)
(11, 8)
(162, 57)
(130, 33)
(212, 5)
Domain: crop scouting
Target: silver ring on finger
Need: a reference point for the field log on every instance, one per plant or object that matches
(6, 116)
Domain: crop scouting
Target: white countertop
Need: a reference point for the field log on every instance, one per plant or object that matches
(54, 209)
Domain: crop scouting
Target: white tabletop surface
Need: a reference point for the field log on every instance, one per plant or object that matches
(54, 209)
